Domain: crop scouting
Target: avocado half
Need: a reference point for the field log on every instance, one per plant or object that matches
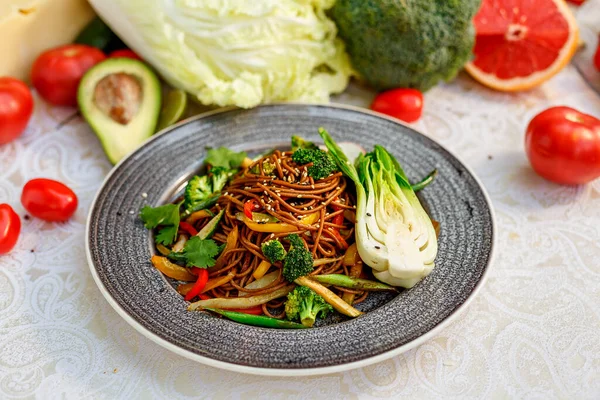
(120, 98)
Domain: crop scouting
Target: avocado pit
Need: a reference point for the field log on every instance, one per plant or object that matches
(118, 96)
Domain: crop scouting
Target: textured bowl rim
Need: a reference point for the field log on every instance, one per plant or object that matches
(288, 371)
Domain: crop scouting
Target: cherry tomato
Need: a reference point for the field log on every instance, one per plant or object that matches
(576, 2)
(404, 104)
(49, 200)
(124, 53)
(16, 106)
(563, 145)
(10, 227)
(597, 55)
(56, 73)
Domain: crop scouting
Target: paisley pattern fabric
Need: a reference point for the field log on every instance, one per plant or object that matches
(533, 332)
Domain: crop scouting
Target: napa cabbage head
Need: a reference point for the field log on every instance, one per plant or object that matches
(236, 52)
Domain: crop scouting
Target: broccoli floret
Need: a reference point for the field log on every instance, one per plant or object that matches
(219, 177)
(300, 143)
(273, 250)
(298, 261)
(323, 164)
(304, 305)
(405, 44)
(268, 167)
(197, 190)
(202, 191)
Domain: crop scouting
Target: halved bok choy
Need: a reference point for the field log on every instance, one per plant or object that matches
(394, 234)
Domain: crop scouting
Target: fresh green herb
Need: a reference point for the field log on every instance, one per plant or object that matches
(167, 217)
(226, 158)
(298, 261)
(197, 253)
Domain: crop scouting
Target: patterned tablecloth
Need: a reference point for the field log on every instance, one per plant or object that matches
(533, 332)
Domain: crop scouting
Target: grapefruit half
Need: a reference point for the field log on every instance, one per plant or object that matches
(522, 43)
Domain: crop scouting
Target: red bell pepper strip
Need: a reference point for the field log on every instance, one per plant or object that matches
(199, 285)
(203, 296)
(336, 233)
(188, 228)
(249, 207)
(338, 220)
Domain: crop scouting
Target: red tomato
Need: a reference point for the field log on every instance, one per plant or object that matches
(124, 53)
(56, 73)
(597, 56)
(404, 104)
(10, 227)
(576, 2)
(563, 145)
(49, 200)
(16, 106)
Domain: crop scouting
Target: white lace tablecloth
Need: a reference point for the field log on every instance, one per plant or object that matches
(533, 332)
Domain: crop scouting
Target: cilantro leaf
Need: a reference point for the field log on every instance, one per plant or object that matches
(166, 235)
(226, 158)
(198, 253)
(162, 215)
(167, 217)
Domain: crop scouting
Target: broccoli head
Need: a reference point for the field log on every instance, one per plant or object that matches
(323, 164)
(298, 261)
(406, 44)
(203, 191)
(268, 167)
(273, 250)
(300, 143)
(219, 177)
(304, 305)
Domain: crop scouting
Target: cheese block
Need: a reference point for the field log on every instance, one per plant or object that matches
(28, 27)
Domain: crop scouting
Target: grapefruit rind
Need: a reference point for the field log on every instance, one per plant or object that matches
(539, 77)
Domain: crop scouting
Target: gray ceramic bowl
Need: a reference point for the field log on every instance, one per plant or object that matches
(119, 247)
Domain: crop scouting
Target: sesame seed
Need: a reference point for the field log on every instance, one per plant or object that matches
(131, 212)
(312, 186)
(377, 247)
(144, 195)
(299, 196)
(338, 188)
(369, 215)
